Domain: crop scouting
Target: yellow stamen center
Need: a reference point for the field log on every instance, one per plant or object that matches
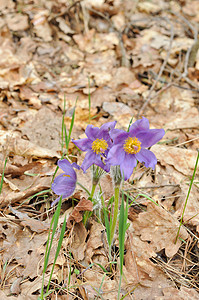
(66, 175)
(132, 145)
(99, 146)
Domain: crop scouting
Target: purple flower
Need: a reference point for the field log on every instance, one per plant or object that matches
(97, 144)
(131, 146)
(64, 184)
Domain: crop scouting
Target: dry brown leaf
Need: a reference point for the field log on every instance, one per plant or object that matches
(95, 245)
(183, 160)
(160, 228)
(3, 296)
(94, 42)
(15, 288)
(183, 294)
(191, 215)
(38, 185)
(17, 22)
(83, 205)
(35, 225)
(78, 245)
(95, 279)
(44, 129)
(12, 142)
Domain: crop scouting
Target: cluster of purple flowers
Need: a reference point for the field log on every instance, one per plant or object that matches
(106, 147)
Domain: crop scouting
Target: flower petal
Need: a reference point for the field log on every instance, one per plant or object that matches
(98, 162)
(150, 137)
(127, 166)
(92, 132)
(67, 168)
(55, 201)
(75, 165)
(116, 155)
(108, 126)
(148, 157)
(63, 185)
(89, 160)
(138, 126)
(83, 144)
(118, 136)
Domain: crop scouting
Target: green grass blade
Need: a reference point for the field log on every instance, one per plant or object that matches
(107, 225)
(147, 197)
(56, 218)
(123, 216)
(53, 224)
(89, 100)
(35, 195)
(2, 177)
(190, 186)
(71, 126)
(57, 251)
(130, 122)
(63, 126)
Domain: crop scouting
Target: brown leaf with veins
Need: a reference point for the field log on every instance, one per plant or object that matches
(160, 228)
(76, 215)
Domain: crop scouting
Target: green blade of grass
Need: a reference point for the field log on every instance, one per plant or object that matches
(107, 225)
(2, 177)
(35, 195)
(53, 224)
(123, 216)
(57, 251)
(191, 183)
(63, 129)
(71, 126)
(89, 100)
(130, 122)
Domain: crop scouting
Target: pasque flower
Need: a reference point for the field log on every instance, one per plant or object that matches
(97, 145)
(130, 147)
(65, 183)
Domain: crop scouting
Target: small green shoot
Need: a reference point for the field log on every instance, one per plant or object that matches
(71, 127)
(53, 224)
(123, 216)
(130, 122)
(64, 134)
(2, 177)
(63, 129)
(89, 100)
(192, 179)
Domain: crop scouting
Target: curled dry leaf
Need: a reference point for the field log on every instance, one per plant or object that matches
(12, 142)
(76, 215)
(35, 225)
(160, 228)
(39, 184)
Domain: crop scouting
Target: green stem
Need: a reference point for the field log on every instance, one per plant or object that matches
(93, 190)
(119, 289)
(87, 213)
(115, 214)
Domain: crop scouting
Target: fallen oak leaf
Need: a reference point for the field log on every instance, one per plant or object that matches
(35, 225)
(159, 227)
(14, 144)
(83, 205)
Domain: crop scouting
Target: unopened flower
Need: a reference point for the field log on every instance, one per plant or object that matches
(64, 184)
(97, 144)
(130, 147)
